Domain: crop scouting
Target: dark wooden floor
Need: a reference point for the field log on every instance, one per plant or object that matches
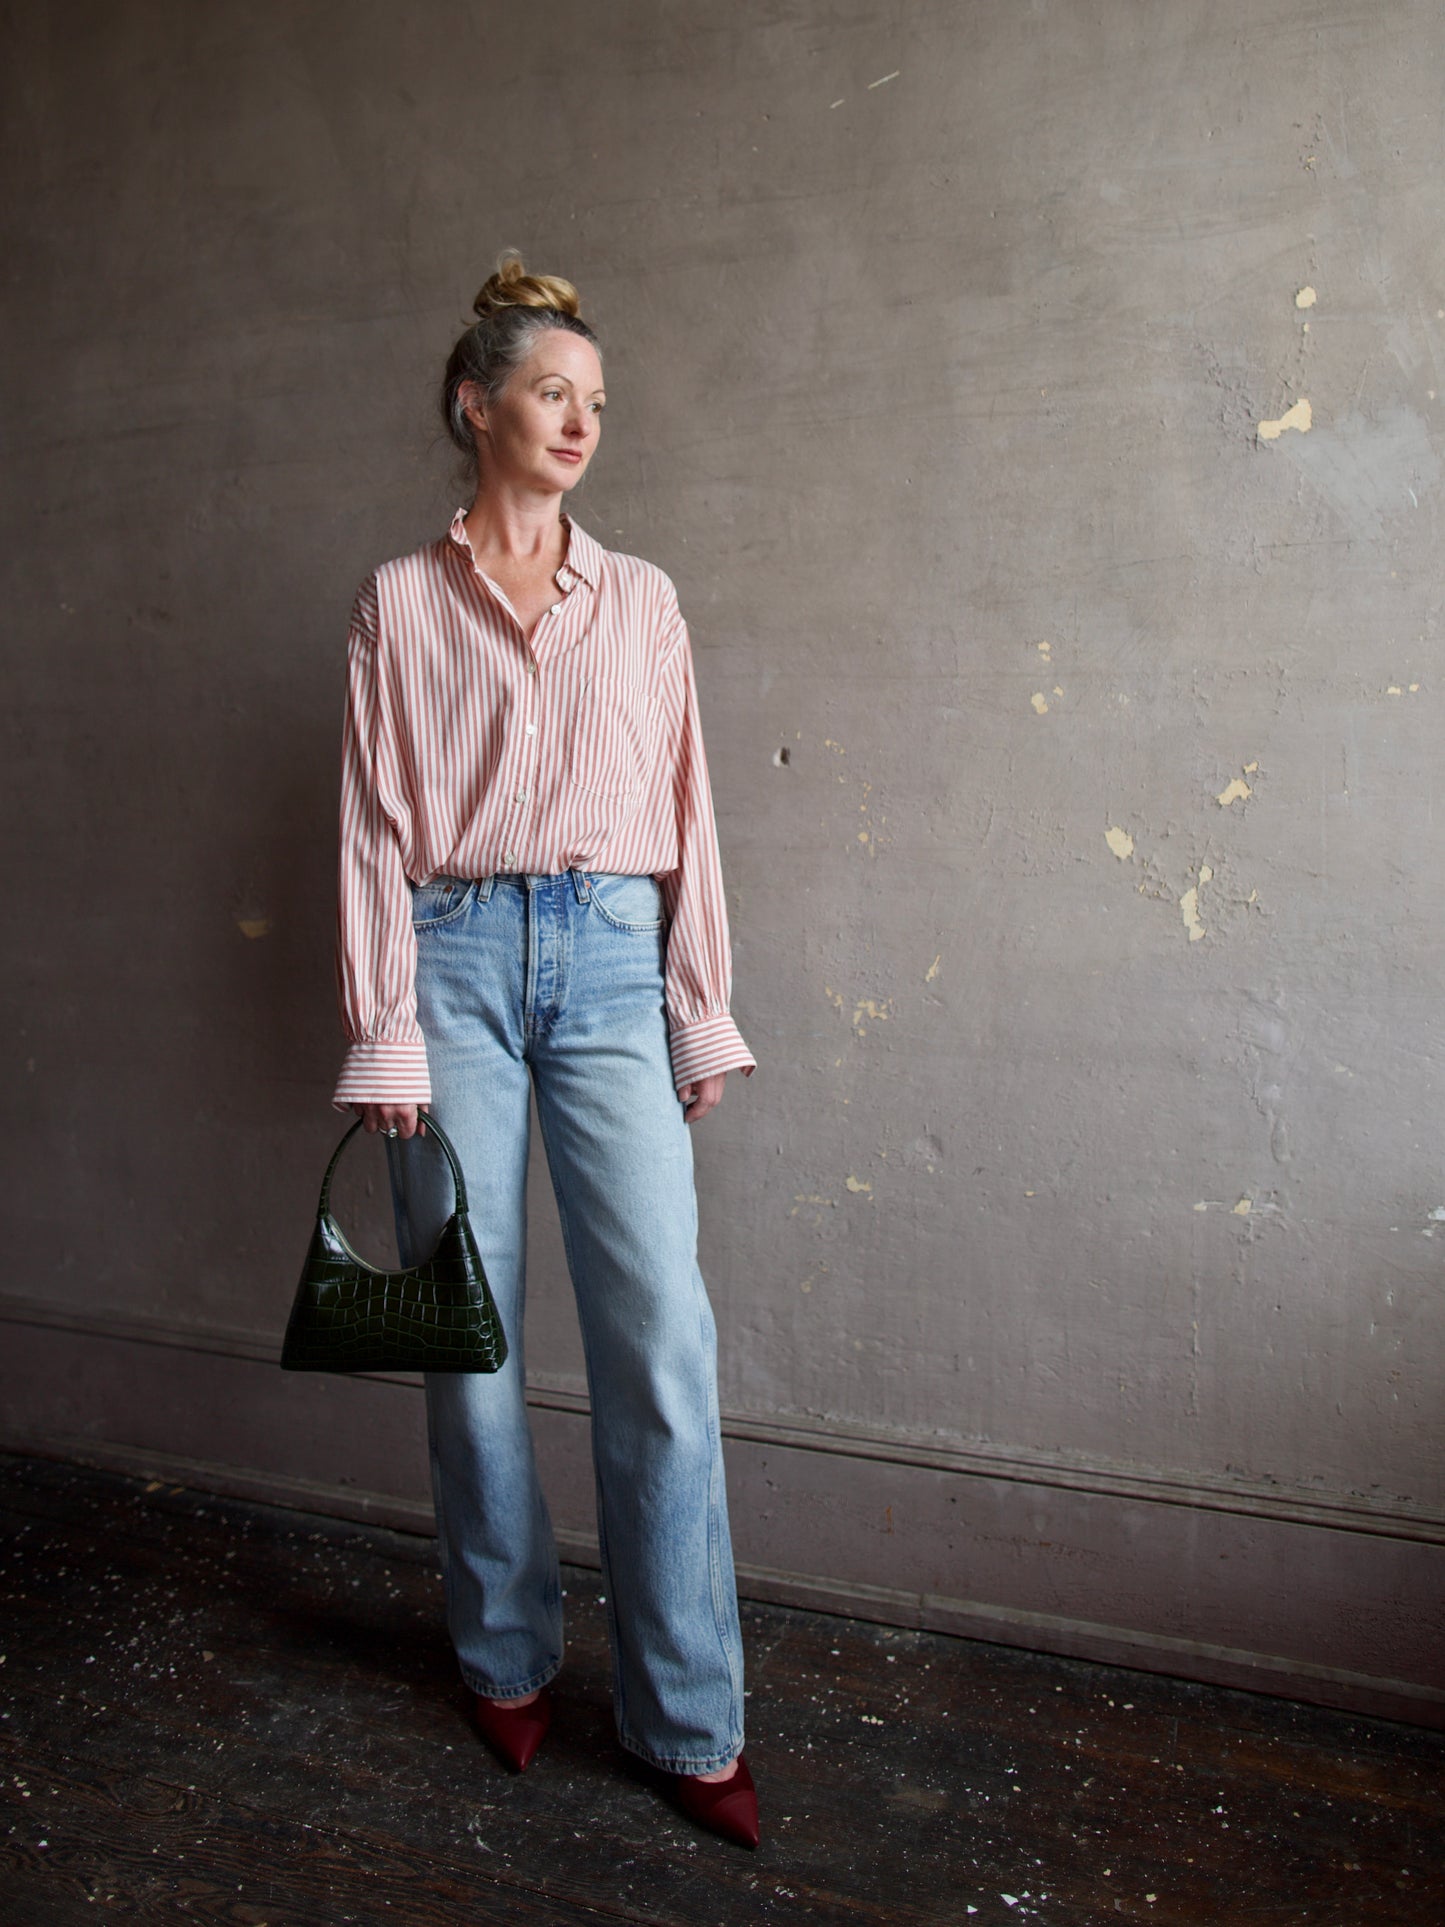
(220, 1712)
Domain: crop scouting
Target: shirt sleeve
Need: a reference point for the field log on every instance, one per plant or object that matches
(704, 1038)
(375, 942)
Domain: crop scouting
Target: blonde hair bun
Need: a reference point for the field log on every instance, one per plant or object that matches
(512, 287)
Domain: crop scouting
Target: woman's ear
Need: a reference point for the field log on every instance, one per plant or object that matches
(470, 395)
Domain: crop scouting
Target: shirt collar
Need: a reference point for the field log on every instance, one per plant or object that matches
(584, 557)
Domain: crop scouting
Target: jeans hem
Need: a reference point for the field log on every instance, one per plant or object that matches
(713, 1763)
(489, 1691)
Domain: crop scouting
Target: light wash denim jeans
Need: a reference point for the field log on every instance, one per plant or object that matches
(554, 984)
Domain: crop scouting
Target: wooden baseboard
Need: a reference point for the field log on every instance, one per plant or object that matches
(1324, 1598)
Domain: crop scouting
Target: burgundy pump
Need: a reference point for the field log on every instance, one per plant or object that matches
(514, 1732)
(727, 1807)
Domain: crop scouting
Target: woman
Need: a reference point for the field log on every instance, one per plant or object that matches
(530, 904)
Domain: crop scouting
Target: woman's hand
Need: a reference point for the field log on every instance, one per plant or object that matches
(703, 1096)
(405, 1119)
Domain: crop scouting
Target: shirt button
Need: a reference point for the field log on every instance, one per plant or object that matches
(509, 857)
(531, 729)
(555, 610)
(531, 669)
(521, 796)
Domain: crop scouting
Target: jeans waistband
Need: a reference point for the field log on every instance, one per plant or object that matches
(522, 880)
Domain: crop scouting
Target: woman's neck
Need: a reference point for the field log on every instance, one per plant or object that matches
(516, 529)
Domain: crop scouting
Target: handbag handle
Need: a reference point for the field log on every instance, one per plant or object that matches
(433, 1130)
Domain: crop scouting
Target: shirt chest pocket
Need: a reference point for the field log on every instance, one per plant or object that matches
(612, 737)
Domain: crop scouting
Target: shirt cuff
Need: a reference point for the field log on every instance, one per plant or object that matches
(384, 1071)
(704, 1049)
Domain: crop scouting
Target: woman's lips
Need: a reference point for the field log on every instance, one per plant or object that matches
(566, 454)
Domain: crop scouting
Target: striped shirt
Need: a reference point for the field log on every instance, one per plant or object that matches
(469, 751)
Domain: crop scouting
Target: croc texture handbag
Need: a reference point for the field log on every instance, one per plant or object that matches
(436, 1317)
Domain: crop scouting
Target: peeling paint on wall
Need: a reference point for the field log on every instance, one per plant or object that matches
(1040, 702)
(1306, 298)
(1236, 792)
(1120, 842)
(1189, 904)
(1301, 416)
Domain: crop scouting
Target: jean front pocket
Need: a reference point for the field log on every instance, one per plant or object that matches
(611, 738)
(628, 903)
(441, 901)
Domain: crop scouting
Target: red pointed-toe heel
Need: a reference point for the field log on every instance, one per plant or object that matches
(726, 1807)
(514, 1732)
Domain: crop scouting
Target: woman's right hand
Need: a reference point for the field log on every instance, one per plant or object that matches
(405, 1119)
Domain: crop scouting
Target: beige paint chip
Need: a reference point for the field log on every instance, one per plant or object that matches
(1236, 792)
(872, 1007)
(1306, 298)
(1040, 702)
(1301, 416)
(1189, 910)
(254, 927)
(1120, 842)
(858, 1187)
(1244, 1207)
(933, 968)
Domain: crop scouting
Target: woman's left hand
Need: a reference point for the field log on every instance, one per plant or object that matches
(703, 1096)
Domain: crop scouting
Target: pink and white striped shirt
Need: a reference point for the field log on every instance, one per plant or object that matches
(468, 751)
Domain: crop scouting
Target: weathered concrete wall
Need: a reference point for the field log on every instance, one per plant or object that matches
(1077, 1247)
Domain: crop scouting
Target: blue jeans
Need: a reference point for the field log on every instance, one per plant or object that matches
(554, 984)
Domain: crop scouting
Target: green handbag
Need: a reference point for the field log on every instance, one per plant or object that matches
(435, 1317)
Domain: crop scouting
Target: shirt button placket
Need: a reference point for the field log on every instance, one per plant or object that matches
(519, 799)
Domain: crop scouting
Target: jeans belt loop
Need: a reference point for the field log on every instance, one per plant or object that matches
(580, 884)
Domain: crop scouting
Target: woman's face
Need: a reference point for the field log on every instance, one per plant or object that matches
(540, 431)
